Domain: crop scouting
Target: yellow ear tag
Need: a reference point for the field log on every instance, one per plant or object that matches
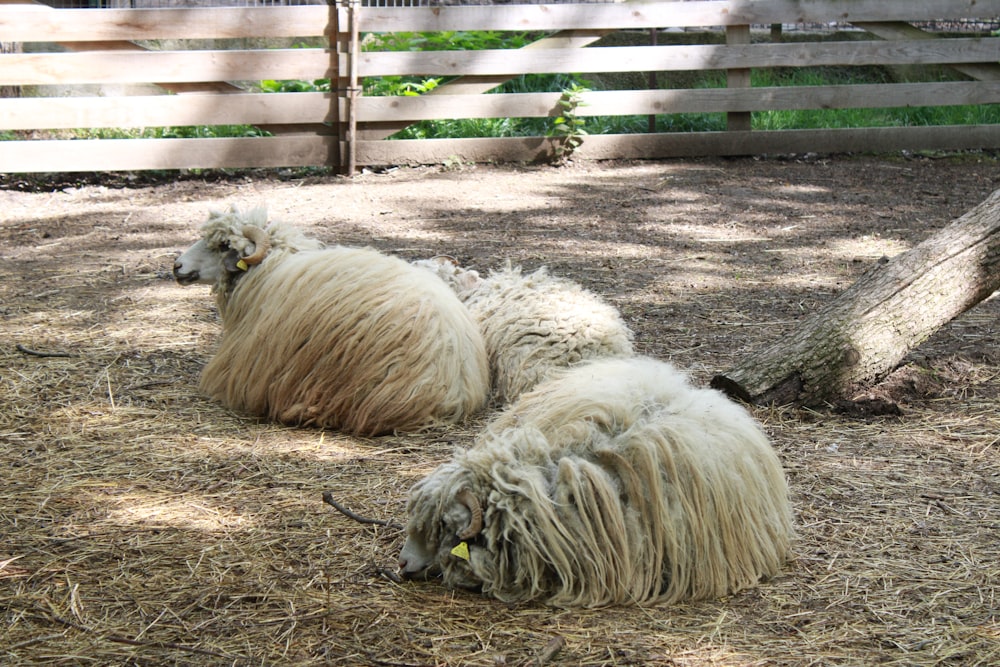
(461, 550)
(241, 265)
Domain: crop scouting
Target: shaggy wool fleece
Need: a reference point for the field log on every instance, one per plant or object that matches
(534, 323)
(342, 338)
(615, 482)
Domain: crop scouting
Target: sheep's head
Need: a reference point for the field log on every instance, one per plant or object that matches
(443, 533)
(231, 243)
(447, 268)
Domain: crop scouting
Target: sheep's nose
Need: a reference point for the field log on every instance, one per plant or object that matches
(184, 278)
(406, 572)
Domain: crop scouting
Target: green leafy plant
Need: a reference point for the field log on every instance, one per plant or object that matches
(182, 132)
(210, 131)
(568, 128)
(295, 86)
(446, 40)
(399, 86)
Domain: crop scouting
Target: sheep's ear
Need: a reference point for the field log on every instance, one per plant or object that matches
(231, 262)
(468, 279)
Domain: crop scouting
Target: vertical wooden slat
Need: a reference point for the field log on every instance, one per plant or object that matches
(353, 16)
(334, 39)
(653, 83)
(738, 121)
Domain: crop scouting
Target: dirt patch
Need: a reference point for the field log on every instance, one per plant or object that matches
(144, 524)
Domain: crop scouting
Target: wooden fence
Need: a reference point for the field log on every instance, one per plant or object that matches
(345, 129)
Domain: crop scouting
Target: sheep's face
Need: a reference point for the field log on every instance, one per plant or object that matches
(442, 538)
(228, 247)
(198, 264)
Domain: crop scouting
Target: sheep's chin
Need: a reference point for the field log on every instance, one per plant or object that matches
(425, 574)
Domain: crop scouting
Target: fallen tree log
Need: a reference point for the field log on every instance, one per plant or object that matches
(865, 332)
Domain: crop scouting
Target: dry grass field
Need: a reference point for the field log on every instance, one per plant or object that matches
(143, 524)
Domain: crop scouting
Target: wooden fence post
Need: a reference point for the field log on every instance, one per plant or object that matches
(738, 121)
(336, 133)
(353, 91)
(653, 83)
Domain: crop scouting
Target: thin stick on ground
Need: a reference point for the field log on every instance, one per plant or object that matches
(35, 353)
(328, 499)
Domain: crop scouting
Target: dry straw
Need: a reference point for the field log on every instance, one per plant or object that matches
(144, 525)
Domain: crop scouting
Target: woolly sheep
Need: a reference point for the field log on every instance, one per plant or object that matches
(338, 337)
(534, 323)
(613, 482)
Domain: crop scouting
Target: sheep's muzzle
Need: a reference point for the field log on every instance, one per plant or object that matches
(184, 278)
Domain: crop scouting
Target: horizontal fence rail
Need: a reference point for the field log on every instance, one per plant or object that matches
(214, 65)
(303, 108)
(39, 23)
(202, 66)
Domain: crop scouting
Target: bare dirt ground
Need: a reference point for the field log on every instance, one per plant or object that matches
(143, 524)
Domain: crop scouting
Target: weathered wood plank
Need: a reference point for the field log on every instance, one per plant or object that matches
(317, 150)
(711, 100)
(310, 108)
(659, 14)
(27, 24)
(216, 65)
(272, 109)
(659, 146)
(40, 23)
(166, 110)
(165, 66)
(137, 154)
(862, 140)
(675, 58)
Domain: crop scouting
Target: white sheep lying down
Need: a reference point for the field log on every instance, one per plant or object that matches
(338, 337)
(534, 323)
(614, 482)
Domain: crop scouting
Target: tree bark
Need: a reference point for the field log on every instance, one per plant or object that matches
(863, 334)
